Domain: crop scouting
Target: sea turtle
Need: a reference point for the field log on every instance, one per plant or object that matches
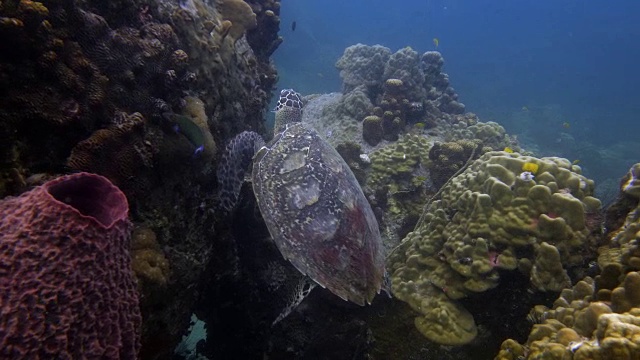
(311, 202)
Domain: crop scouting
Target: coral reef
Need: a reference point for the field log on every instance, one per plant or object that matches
(120, 152)
(239, 14)
(582, 326)
(596, 318)
(492, 216)
(67, 285)
(149, 263)
(404, 87)
(362, 65)
(449, 157)
(334, 116)
(90, 86)
(491, 135)
(398, 184)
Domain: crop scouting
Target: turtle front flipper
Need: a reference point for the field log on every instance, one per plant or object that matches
(233, 166)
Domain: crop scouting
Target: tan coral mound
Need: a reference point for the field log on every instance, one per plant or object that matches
(579, 327)
(596, 319)
(494, 216)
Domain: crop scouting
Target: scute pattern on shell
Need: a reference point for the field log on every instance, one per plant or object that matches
(317, 214)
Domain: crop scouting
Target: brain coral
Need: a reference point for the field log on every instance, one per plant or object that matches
(491, 217)
(66, 282)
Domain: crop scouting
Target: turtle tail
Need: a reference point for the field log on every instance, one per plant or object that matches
(234, 164)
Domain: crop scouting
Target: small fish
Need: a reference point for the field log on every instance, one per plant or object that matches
(526, 176)
(320, 75)
(184, 125)
(566, 125)
(524, 108)
(293, 25)
(508, 150)
(530, 167)
(436, 42)
(575, 162)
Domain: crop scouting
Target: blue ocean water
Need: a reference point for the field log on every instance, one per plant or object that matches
(562, 75)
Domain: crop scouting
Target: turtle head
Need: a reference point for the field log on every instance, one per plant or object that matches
(288, 110)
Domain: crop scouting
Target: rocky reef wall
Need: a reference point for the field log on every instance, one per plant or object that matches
(144, 92)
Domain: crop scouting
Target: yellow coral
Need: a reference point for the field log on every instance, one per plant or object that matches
(28, 8)
(149, 264)
(393, 86)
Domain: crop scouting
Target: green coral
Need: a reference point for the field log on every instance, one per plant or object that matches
(397, 184)
(372, 130)
(491, 217)
(395, 173)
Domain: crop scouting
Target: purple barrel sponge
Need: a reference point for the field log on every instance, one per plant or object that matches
(66, 286)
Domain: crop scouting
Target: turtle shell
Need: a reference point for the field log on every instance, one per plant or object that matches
(317, 214)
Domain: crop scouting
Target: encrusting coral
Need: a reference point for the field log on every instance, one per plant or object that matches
(496, 215)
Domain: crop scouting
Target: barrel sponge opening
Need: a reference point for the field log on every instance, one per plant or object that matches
(91, 195)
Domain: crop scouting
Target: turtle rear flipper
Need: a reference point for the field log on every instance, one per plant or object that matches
(233, 166)
(301, 291)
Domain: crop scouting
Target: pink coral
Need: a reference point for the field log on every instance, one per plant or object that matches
(66, 286)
